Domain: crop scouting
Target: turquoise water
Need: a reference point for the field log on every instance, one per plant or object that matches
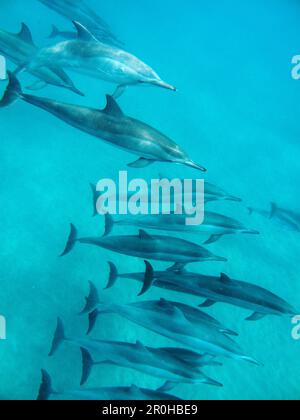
(236, 112)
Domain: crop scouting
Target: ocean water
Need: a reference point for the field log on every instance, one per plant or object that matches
(236, 112)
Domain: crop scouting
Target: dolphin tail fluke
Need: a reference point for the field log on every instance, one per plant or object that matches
(109, 224)
(46, 389)
(92, 320)
(71, 242)
(59, 337)
(92, 300)
(13, 91)
(113, 275)
(148, 279)
(87, 365)
(54, 33)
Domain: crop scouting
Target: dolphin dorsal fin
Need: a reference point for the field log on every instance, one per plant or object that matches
(225, 279)
(144, 235)
(140, 346)
(25, 34)
(83, 33)
(112, 108)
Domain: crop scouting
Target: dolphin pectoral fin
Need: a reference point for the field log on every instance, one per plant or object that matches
(212, 239)
(148, 279)
(167, 386)
(141, 163)
(119, 91)
(207, 304)
(38, 85)
(255, 317)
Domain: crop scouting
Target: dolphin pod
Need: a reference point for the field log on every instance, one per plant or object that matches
(215, 289)
(110, 125)
(173, 365)
(171, 320)
(19, 48)
(132, 393)
(89, 56)
(215, 225)
(144, 245)
(78, 10)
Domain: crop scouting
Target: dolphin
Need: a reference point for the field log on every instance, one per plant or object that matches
(148, 279)
(175, 366)
(19, 48)
(173, 321)
(79, 11)
(283, 218)
(215, 225)
(132, 393)
(110, 125)
(88, 56)
(215, 289)
(143, 245)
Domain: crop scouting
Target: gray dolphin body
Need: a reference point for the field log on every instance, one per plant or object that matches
(110, 125)
(161, 248)
(176, 322)
(215, 289)
(284, 218)
(132, 393)
(173, 365)
(78, 10)
(215, 225)
(19, 48)
(88, 56)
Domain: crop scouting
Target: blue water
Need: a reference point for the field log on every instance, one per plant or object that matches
(236, 112)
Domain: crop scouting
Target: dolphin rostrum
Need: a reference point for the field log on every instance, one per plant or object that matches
(19, 48)
(172, 320)
(78, 10)
(143, 245)
(132, 393)
(110, 125)
(173, 365)
(215, 225)
(215, 289)
(87, 55)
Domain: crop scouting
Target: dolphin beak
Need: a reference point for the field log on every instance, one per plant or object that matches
(194, 165)
(164, 85)
(236, 199)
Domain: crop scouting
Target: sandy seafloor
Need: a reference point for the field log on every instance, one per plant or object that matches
(236, 112)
